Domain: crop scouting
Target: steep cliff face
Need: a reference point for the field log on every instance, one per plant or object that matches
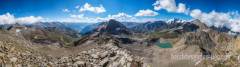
(201, 39)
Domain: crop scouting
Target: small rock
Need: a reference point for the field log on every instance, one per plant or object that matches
(2, 54)
(79, 63)
(104, 62)
(104, 54)
(94, 56)
(13, 59)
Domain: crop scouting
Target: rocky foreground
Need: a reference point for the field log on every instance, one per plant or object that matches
(17, 53)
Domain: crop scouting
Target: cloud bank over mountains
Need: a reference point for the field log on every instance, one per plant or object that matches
(213, 18)
(11, 19)
(123, 17)
(218, 19)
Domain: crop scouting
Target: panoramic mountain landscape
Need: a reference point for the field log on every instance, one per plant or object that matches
(143, 33)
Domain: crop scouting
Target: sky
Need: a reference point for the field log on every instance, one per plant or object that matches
(211, 12)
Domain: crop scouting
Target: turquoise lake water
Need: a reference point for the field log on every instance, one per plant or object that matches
(164, 44)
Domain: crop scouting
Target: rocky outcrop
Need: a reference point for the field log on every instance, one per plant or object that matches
(201, 39)
(109, 55)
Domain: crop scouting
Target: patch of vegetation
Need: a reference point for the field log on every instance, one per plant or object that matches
(221, 65)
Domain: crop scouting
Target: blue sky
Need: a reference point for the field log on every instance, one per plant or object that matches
(53, 8)
(59, 10)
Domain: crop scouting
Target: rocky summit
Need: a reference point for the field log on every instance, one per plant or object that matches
(113, 44)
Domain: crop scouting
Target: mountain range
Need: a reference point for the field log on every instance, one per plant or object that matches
(116, 44)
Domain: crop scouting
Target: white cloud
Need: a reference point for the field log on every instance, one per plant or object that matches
(77, 16)
(170, 6)
(235, 25)
(147, 12)
(196, 13)
(7, 19)
(89, 7)
(66, 10)
(122, 17)
(30, 19)
(218, 19)
(77, 6)
(181, 8)
(10, 19)
(83, 18)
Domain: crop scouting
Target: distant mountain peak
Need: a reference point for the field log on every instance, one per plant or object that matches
(112, 27)
(150, 26)
(200, 24)
(175, 20)
(112, 20)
